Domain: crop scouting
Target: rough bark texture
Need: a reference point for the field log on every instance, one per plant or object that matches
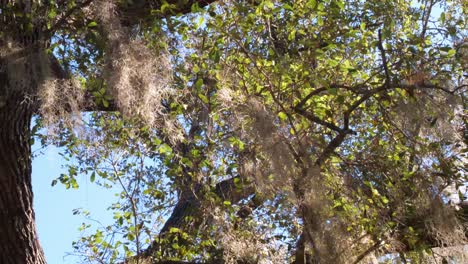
(18, 237)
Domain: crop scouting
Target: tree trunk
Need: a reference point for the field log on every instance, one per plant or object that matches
(18, 237)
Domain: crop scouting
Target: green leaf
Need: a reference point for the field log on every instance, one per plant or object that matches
(52, 13)
(199, 84)
(269, 4)
(166, 7)
(384, 200)
(165, 149)
(74, 183)
(195, 8)
(340, 4)
(174, 230)
(200, 21)
(292, 35)
(288, 7)
(203, 98)
(93, 177)
(282, 116)
(375, 192)
(92, 24)
(320, 20)
(451, 53)
(311, 4)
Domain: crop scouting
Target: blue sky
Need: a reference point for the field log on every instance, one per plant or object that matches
(56, 224)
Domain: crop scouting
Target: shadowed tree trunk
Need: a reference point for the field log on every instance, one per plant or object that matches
(18, 83)
(18, 237)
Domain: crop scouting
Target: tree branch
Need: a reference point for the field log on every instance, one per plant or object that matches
(367, 252)
(336, 142)
(356, 89)
(310, 95)
(189, 204)
(317, 120)
(384, 60)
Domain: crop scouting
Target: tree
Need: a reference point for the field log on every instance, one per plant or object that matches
(305, 131)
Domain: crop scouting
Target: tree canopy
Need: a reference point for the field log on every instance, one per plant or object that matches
(319, 131)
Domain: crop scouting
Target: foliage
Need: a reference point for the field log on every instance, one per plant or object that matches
(267, 130)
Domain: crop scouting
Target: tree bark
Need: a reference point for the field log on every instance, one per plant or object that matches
(18, 236)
